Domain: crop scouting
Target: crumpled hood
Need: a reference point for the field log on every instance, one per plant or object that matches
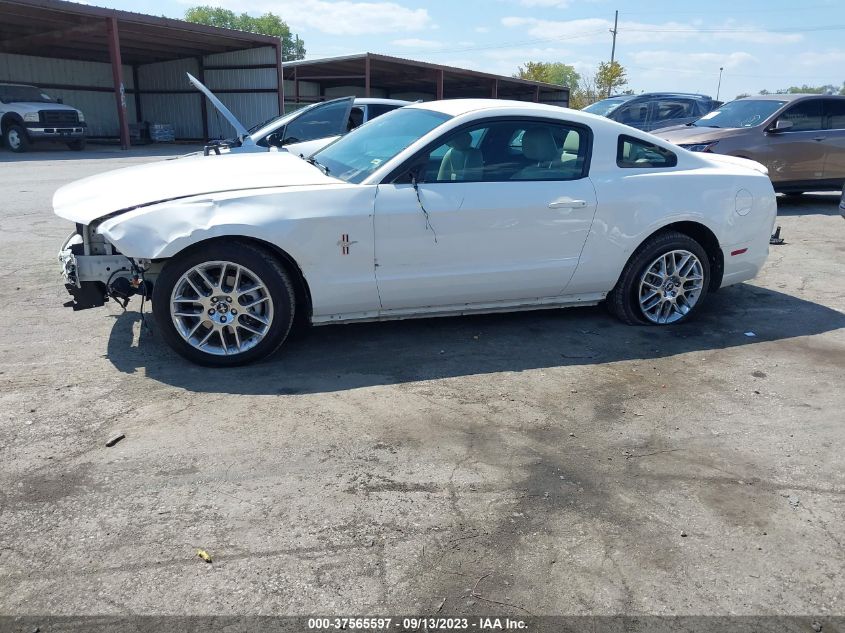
(86, 200)
(689, 134)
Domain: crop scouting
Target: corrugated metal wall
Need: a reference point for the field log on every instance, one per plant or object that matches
(99, 107)
(160, 105)
(259, 100)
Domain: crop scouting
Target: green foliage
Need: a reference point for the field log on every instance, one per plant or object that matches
(610, 77)
(550, 73)
(268, 24)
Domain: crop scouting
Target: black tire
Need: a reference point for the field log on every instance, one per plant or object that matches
(16, 139)
(623, 301)
(793, 194)
(258, 260)
(77, 145)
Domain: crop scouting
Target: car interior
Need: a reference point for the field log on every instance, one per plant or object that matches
(509, 151)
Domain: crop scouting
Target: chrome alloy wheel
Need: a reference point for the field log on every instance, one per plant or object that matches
(671, 286)
(221, 308)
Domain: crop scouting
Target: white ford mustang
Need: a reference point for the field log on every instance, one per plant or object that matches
(439, 208)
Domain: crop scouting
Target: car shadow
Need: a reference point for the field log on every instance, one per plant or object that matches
(341, 357)
(809, 204)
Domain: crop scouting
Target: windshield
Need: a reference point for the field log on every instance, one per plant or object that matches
(606, 106)
(740, 113)
(358, 154)
(10, 94)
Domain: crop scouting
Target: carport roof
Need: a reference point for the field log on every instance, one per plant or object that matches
(55, 28)
(403, 73)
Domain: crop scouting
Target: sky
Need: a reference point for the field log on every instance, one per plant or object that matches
(678, 46)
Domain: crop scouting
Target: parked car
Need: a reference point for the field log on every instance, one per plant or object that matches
(28, 114)
(799, 137)
(653, 110)
(440, 208)
(303, 131)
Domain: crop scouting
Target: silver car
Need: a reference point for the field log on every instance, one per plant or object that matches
(303, 131)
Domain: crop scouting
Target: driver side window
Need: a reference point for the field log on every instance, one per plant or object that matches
(508, 150)
(328, 120)
(805, 116)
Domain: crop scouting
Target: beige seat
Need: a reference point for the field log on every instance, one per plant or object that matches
(538, 146)
(462, 161)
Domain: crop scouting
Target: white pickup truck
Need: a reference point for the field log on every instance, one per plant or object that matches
(28, 115)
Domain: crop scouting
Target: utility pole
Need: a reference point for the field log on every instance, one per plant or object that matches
(613, 50)
(719, 87)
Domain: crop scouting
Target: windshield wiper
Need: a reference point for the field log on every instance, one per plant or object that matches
(318, 164)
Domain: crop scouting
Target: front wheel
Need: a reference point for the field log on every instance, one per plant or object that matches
(77, 145)
(16, 139)
(224, 304)
(664, 282)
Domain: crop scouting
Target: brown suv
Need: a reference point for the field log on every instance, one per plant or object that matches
(799, 137)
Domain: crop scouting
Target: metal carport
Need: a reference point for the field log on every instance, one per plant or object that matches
(69, 31)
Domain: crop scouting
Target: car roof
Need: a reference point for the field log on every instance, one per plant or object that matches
(456, 107)
(789, 97)
(377, 101)
(654, 95)
(4, 83)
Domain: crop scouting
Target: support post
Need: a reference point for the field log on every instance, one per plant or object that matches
(494, 93)
(367, 75)
(439, 84)
(613, 49)
(117, 79)
(536, 94)
(296, 84)
(281, 79)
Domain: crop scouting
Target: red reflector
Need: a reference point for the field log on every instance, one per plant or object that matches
(739, 252)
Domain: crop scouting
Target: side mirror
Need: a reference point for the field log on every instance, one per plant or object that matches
(781, 125)
(276, 139)
(413, 174)
(60, 100)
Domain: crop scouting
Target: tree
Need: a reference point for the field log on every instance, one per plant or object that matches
(609, 77)
(550, 73)
(742, 95)
(268, 24)
(585, 93)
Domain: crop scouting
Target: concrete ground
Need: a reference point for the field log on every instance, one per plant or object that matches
(554, 462)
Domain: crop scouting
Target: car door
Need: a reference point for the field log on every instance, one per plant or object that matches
(834, 132)
(500, 212)
(798, 153)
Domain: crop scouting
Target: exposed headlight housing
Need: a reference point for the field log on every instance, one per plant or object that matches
(701, 147)
(81, 116)
(31, 117)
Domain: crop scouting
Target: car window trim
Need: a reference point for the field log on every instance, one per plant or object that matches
(429, 147)
(825, 116)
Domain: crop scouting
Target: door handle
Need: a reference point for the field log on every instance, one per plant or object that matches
(567, 203)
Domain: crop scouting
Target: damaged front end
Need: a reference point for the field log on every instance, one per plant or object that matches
(94, 271)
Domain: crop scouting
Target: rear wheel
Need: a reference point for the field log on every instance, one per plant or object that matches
(224, 304)
(77, 145)
(16, 138)
(664, 282)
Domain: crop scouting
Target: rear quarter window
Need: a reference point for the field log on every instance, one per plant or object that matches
(636, 153)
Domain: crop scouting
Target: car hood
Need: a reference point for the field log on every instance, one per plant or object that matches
(91, 198)
(34, 106)
(688, 134)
